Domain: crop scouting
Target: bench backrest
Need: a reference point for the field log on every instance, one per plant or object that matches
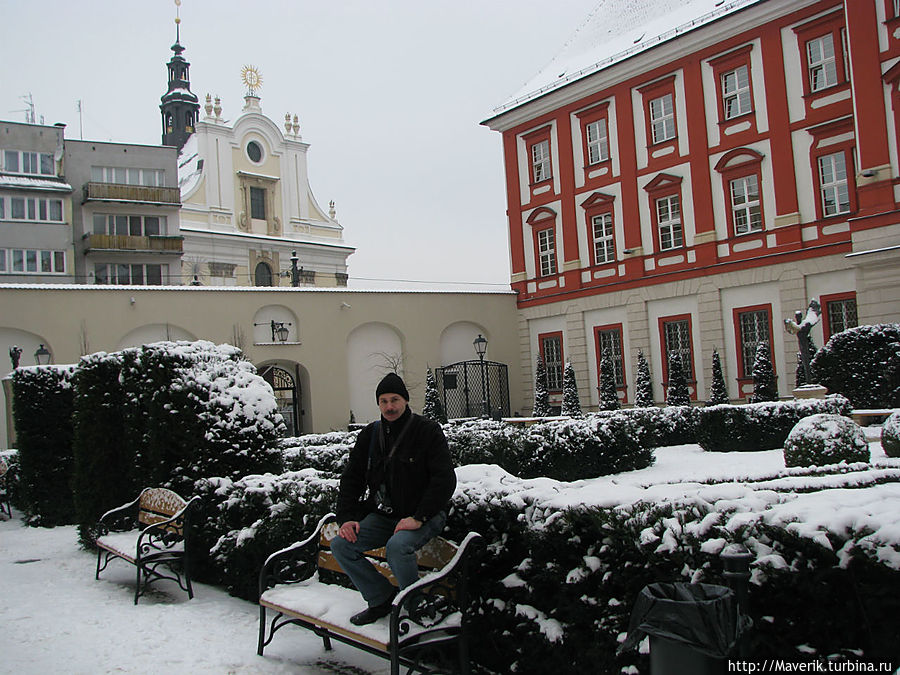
(158, 504)
(433, 556)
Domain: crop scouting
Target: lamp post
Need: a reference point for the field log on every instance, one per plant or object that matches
(42, 356)
(480, 345)
(295, 271)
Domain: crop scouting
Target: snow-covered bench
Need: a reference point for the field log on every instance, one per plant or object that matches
(426, 618)
(864, 417)
(158, 547)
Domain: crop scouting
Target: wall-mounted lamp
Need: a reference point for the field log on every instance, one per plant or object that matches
(867, 173)
(280, 330)
(42, 356)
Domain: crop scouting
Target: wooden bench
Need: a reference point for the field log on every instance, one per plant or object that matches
(158, 547)
(426, 618)
(4, 489)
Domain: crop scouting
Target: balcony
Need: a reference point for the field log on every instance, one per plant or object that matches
(136, 194)
(125, 242)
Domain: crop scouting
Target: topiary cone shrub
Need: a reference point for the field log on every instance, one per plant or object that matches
(824, 439)
(890, 435)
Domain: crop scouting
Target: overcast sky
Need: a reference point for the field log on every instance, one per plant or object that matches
(390, 94)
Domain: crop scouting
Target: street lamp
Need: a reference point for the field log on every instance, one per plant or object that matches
(295, 272)
(480, 345)
(42, 356)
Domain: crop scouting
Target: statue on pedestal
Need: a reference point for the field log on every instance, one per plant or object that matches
(801, 326)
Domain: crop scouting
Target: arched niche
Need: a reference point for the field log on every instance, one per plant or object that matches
(282, 317)
(457, 340)
(154, 332)
(373, 350)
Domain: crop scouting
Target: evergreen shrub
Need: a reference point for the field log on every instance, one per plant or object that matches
(890, 435)
(819, 440)
(326, 452)
(42, 411)
(862, 364)
(244, 521)
(759, 426)
(660, 427)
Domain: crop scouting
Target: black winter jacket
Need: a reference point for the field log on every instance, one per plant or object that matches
(419, 477)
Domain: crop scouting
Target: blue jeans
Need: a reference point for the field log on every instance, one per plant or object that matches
(376, 530)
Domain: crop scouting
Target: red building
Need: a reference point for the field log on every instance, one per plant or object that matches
(688, 182)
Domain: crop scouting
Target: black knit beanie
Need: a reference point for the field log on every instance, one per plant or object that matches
(391, 384)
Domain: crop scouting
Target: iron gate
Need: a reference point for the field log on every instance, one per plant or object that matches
(474, 389)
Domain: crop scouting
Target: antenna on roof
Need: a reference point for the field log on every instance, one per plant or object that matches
(29, 111)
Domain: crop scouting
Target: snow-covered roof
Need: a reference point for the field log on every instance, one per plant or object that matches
(27, 183)
(615, 31)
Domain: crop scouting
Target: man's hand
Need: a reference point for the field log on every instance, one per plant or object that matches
(348, 530)
(408, 523)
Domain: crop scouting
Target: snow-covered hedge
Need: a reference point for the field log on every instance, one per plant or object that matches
(42, 411)
(823, 439)
(167, 414)
(890, 435)
(563, 449)
(243, 521)
(862, 364)
(759, 426)
(325, 452)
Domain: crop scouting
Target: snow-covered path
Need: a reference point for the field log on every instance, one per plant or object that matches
(55, 618)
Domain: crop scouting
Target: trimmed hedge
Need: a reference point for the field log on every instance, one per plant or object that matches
(890, 435)
(42, 411)
(862, 364)
(759, 426)
(819, 440)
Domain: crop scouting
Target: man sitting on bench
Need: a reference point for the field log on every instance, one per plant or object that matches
(393, 493)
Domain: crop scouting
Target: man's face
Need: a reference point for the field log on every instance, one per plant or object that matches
(392, 406)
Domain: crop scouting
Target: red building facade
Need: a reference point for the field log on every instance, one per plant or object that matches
(694, 191)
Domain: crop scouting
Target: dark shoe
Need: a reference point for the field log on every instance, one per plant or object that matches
(372, 614)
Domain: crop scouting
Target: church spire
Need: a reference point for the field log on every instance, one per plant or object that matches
(180, 107)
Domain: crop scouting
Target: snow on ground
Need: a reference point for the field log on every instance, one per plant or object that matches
(55, 617)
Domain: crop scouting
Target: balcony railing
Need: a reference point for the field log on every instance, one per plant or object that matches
(131, 193)
(126, 242)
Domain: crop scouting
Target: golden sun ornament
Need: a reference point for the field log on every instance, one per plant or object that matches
(251, 78)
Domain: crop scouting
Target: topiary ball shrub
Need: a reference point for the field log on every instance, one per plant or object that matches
(824, 439)
(890, 435)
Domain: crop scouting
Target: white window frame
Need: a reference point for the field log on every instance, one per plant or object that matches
(121, 175)
(668, 220)
(736, 99)
(546, 239)
(604, 238)
(597, 141)
(746, 208)
(128, 224)
(540, 161)
(41, 161)
(662, 118)
(124, 274)
(32, 209)
(834, 187)
(820, 60)
(32, 261)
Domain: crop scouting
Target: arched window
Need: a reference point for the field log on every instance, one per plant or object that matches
(263, 275)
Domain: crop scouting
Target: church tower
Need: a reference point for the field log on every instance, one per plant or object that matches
(180, 107)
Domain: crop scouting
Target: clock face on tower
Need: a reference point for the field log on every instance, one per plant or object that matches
(251, 78)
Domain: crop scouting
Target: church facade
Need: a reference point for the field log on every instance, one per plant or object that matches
(248, 214)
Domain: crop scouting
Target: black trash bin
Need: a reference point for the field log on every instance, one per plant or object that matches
(692, 627)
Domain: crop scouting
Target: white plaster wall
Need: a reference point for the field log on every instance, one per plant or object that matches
(372, 350)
